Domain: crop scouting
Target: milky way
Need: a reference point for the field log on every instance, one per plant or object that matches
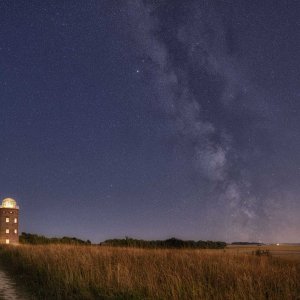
(152, 119)
(216, 112)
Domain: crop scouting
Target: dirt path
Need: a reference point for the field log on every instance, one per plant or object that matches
(8, 290)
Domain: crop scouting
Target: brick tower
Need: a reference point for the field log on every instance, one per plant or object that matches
(9, 222)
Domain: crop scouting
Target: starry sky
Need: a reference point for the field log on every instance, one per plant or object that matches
(152, 119)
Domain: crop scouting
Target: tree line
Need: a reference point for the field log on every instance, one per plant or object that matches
(169, 243)
(35, 239)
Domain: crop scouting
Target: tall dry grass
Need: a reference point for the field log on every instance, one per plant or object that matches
(87, 272)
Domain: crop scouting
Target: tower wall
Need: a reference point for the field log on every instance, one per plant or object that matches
(9, 225)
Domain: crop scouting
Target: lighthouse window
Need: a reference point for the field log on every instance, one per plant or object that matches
(15, 220)
(7, 241)
(6, 230)
(7, 220)
(16, 231)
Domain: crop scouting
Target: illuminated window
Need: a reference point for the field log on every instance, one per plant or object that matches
(15, 220)
(7, 220)
(6, 230)
(7, 241)
(16, 231)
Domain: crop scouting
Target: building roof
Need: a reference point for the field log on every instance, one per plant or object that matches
(9, 203)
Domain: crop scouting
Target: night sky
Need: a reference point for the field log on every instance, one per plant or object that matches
(152, 119)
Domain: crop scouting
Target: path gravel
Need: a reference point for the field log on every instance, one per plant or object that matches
(8, 288)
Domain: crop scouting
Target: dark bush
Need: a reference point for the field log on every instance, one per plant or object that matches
(34, 239)
(169, 243)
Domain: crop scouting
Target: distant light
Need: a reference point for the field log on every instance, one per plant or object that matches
(138, 71)
(277, 244)
(9, 203)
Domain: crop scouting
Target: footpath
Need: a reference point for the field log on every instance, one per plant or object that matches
(8, 288)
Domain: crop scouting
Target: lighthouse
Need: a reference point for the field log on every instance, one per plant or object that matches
(9, 222)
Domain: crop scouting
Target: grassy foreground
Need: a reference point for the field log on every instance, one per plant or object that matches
(93, 272)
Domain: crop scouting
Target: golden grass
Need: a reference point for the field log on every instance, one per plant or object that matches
(290, 252)
(92, 272)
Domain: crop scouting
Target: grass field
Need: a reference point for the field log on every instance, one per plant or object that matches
(94, 272)
(287, 252)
